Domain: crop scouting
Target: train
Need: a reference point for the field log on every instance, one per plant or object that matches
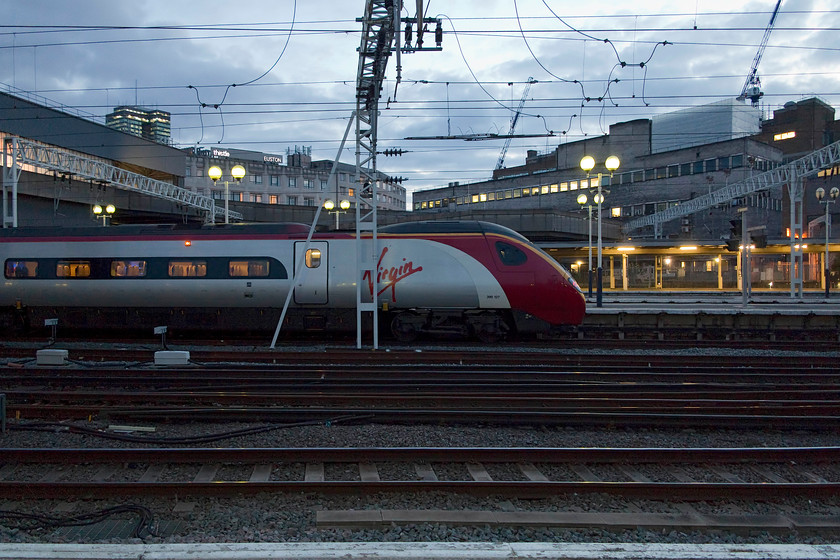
(469, 278)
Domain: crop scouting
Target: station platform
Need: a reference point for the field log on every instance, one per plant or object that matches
(420, 551)
(705, 315)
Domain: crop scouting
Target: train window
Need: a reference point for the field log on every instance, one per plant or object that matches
(186, 269)
(72, 269)
(21, 269)
(248, 268)
(128, 269)
(510, 255)
(313, 258)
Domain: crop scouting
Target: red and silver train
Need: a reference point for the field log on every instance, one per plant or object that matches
(431, 277)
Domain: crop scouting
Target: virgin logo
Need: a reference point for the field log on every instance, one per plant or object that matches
(389, 277)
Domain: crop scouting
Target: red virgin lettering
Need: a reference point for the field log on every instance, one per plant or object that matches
(389, 277)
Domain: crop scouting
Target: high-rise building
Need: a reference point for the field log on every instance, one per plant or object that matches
(151, 124)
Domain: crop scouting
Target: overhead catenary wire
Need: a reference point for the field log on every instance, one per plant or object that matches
(551, 107)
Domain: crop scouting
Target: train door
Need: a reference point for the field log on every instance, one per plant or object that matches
(313, 288)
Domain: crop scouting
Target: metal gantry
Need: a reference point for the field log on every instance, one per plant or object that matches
(18, 152)
(378, 30)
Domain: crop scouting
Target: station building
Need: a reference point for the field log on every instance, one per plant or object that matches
(276, 188)
(665, 161)
(296, 180)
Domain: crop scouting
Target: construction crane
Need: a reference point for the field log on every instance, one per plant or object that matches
(752, 85)
(513, 120)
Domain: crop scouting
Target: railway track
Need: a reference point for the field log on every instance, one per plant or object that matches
(662, 391)
(241, 349)
(673, 474)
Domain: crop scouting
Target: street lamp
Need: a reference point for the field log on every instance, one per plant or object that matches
(581, 199)
(343, 206)
(108, 212)
(215, 173)
(587, 163)
(820, 192)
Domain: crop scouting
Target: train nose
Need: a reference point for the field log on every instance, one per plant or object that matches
(573, 301)
(563, 302)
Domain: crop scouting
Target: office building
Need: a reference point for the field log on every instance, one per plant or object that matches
(151, 124)
(720, 144)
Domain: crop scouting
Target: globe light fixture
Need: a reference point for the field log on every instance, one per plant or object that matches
(104, 213)
(343, 206)
(215, 173)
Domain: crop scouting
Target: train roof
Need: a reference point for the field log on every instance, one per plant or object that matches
(460, 226)
(135, 230)
(286, 228)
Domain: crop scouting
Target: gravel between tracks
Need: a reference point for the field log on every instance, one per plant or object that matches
(291, 517)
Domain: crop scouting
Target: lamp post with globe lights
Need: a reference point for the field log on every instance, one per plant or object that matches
(832, 197)
(104, 213)
(215, 173)
(343, 206)
(582, 199)
(587, 163)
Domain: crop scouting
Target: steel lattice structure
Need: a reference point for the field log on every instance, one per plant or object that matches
(786, 174)
(378, 30)
(18, 152)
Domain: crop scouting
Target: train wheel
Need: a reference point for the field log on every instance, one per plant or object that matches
(405, 325)
(488, 327)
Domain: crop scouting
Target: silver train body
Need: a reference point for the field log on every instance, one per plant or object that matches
(429, 277)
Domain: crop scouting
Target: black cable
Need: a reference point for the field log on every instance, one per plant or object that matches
(210, 438)
(145, 525)
(218, 106)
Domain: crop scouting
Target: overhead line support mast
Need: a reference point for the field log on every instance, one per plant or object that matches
(380, 31)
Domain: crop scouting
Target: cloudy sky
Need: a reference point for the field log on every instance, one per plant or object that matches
(294, 66)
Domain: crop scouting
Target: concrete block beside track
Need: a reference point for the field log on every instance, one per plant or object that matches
(51, 357)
